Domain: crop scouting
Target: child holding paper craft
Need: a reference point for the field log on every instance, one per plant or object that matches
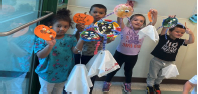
(165, 53)
(98, 11)
(128, 48)
(56, 55)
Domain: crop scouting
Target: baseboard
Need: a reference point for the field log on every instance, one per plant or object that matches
(142, 80)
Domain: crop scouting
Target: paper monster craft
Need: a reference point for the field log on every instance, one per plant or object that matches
(107, 27)
(83, 18)
(169, 22)
(100, 29)
(149, 30)
(44, 32)
(123, 10)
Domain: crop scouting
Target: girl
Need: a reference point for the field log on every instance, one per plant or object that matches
(129, 47)
(55, 56)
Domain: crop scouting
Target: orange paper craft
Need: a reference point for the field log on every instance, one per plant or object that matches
(44, 32)
(149, 16)
(83, 18)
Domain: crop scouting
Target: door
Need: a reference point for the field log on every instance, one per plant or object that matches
(16, 49)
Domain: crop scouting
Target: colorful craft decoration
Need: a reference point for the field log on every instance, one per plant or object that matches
(89, 35)
(123, 10)
(169, 22)
(44, 32)
(83, 18)
(107, 27)
(150, 16)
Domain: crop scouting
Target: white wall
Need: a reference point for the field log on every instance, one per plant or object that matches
(186, 60)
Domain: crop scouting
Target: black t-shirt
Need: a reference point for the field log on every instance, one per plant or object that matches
(167, 49)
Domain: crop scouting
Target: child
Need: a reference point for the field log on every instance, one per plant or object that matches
(128, 49)
(190, 84)
(98, 11)
(55, 56)
(165, 53)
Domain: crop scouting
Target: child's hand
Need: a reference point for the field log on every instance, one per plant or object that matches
(80, 26)
(188, 31)
(112, 39)
(153, 12)
(51, 42)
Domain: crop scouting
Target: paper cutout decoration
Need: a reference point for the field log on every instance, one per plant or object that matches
(44, 32)
(150, 16)
(107, 27)
(83, 18)
(170, 71)
(78, 81)
(101, 64)
(150, 31)
(123, 10)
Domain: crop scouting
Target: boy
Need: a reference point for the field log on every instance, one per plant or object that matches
(98, 11)
(165, 53)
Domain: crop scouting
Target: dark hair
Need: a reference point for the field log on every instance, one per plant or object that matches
(144, 24)
(99, 6)
(64, 15)
(178, 26)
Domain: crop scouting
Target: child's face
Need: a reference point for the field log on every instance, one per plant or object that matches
(177, 33)
(97, 13)
(137, 22)
(60, 27)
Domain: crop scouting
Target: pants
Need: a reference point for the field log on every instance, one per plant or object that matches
(155, 71)
(130, 61)
(85, 60)
(51, 88)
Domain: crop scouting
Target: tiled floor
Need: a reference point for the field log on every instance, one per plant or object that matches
(137, 88)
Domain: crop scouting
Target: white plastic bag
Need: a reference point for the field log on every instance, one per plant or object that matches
(149, 31)
(170, 71)
(102, 64)
(78, 81)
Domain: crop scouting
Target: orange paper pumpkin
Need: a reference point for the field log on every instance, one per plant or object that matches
(83, 18)
(149, 16)
(44, 32)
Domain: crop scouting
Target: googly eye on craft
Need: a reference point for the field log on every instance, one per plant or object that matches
(123, 10)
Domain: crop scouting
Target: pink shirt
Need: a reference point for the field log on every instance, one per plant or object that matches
(130, 43)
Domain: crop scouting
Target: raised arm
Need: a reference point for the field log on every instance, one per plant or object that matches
(163, 32)
(80, 27)
(120, 22)
(154, 16)
(45, 51)
(191, 36)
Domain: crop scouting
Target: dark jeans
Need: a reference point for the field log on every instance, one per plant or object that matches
(85, 60)
(130, 61)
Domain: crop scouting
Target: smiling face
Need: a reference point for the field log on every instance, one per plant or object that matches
(60, 27)
(97, 13)
(176, 33)
(137, 22)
